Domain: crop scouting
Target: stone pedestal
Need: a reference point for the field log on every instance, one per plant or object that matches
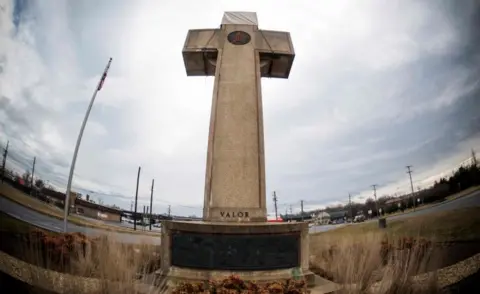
(261, 252)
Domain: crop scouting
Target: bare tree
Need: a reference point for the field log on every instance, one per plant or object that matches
(39, 183)
(26, 177)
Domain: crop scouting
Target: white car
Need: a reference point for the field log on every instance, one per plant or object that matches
(359, 218)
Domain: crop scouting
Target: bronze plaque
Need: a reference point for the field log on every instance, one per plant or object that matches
(239, 38)
(235, 252)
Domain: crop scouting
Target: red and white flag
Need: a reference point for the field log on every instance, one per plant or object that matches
(100, 85)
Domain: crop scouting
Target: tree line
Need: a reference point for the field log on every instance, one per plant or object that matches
(461, 179)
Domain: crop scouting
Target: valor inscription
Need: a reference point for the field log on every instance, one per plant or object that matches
(230, 214)
(235, 252)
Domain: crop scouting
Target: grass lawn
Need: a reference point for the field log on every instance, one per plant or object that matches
(455, 225)
(23, 199)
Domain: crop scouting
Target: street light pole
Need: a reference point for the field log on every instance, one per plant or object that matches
(77, 146)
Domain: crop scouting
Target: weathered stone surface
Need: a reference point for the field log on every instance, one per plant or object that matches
(235, 235)
(235, 174)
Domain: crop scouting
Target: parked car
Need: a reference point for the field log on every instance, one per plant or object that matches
(359, 218)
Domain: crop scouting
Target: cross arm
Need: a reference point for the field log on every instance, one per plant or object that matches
(201, 47)
(276, 53)
(274, 42)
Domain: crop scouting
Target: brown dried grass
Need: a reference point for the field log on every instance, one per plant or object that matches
(371, 263)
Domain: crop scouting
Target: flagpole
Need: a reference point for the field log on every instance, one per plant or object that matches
(77, 146)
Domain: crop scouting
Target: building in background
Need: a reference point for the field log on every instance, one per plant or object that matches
(97, 211)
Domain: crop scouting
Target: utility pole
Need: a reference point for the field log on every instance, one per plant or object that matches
(275, 203)
(301, 207)
(169, 210)
(136, 202)
(409, 172)
(31, 177)
(350, 204)
(147, 213)
(151, 203)
(5, 153)
(475, 165)
(375, 195)
(474, 157)
(291, 211)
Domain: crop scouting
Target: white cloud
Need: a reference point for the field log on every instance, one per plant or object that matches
(349, 77)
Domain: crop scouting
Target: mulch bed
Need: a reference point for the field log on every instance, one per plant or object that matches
(234, 284)
(60, 252)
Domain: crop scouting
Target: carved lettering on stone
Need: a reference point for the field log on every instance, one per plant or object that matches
(230, 214)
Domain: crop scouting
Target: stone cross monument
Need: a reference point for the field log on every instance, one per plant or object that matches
(238, 54)
(234, 237)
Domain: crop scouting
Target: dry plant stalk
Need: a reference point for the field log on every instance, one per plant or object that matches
(373, 263)
(367, 263)
(116, 267)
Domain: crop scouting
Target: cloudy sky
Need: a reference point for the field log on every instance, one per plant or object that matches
(375, 86)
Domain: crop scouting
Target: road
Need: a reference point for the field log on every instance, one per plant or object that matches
(123, 224)
(53, 224)
(471, 200)
(324, 228)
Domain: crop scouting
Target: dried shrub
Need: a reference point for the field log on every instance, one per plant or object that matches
(363, 261)
(77, 254)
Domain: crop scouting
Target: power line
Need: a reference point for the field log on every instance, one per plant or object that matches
(350, 204)
(375, 195)
(275, 203)
(409, 172)
(136, 201)
(301, 207)
(474, 157)
(4, 161)
(151, 204)
(33, 173)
